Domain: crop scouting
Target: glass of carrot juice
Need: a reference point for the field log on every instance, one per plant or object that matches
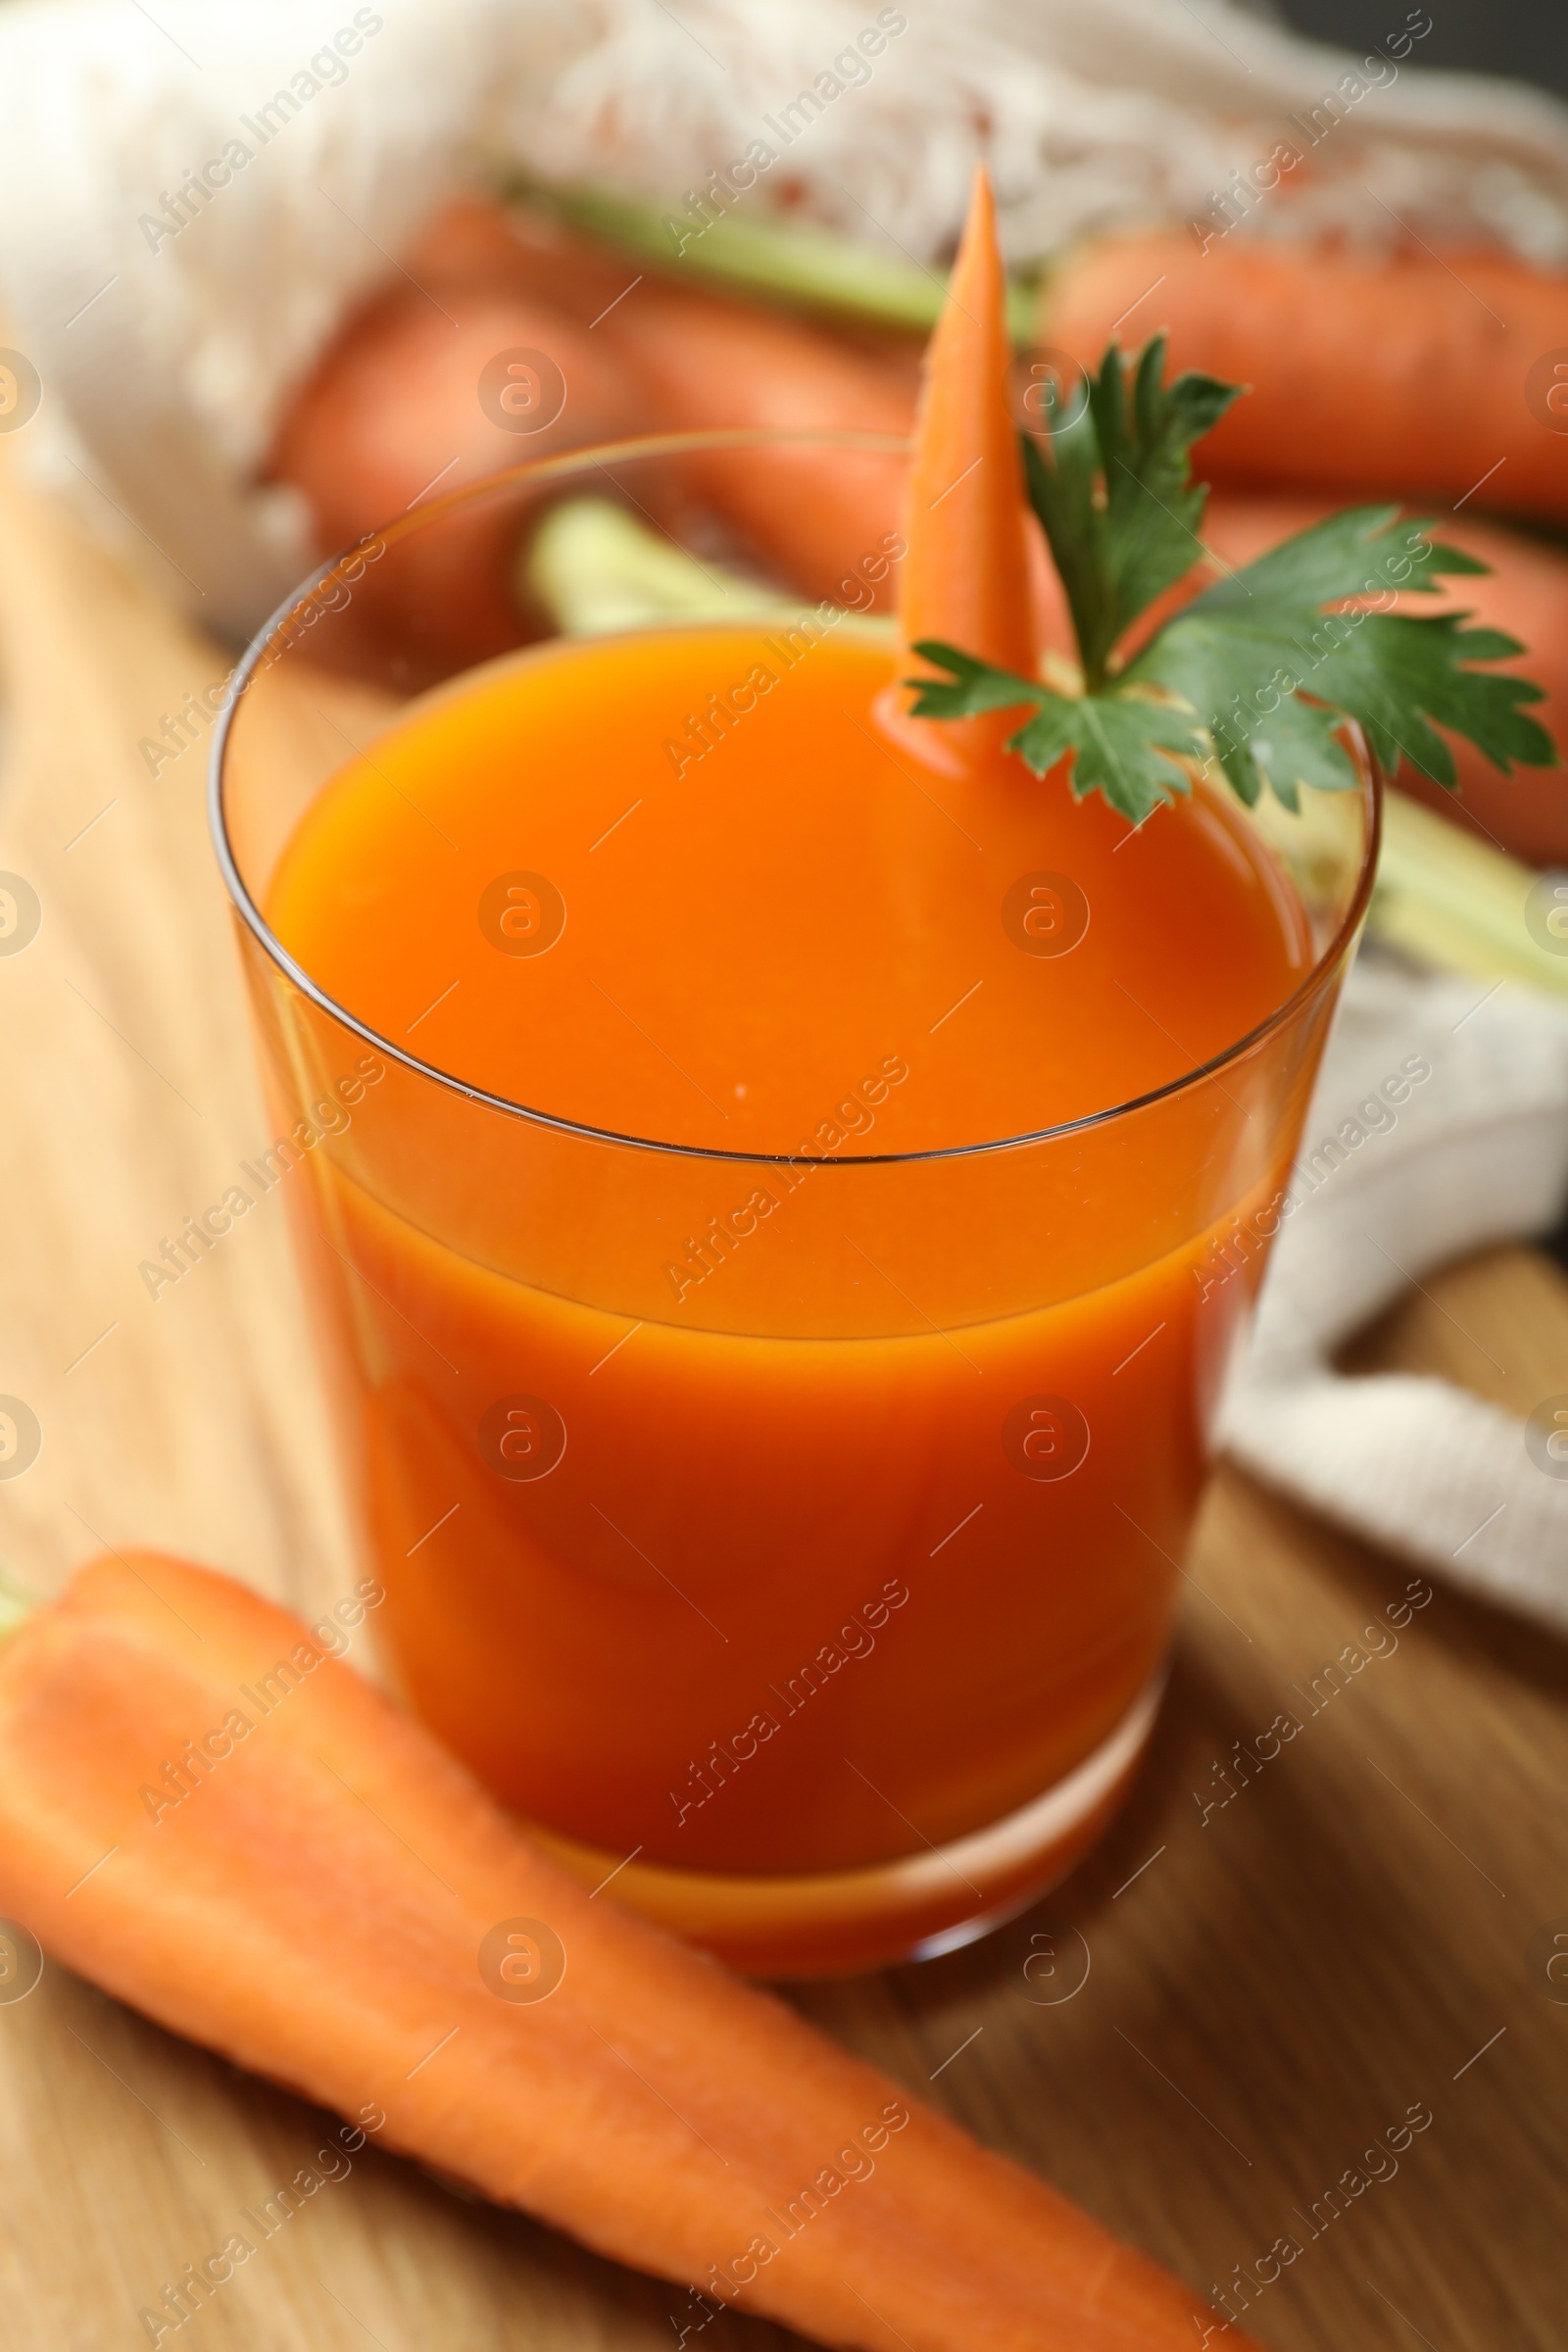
(778, 1200)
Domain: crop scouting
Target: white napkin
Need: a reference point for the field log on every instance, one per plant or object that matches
(1473, 1154)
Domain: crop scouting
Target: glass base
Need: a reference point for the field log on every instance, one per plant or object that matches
(915, 1908)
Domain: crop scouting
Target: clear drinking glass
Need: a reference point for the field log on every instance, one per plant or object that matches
(832, 1624)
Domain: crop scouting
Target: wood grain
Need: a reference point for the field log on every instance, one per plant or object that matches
(1269, 1986)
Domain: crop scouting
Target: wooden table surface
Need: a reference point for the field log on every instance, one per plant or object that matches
(1355, 1934)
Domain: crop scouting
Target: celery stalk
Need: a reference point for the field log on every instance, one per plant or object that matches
(595, 570)
(15, 1607)
(792, 261)
(1446, 898)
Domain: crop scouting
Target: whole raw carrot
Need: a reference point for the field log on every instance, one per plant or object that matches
(495, 248)
(1407, 376)
(1525, 595)
(393, 405)
(814, 516)
(412, 400)
(210, 1815)
(478, 242)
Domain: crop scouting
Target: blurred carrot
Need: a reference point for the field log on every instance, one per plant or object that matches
(394, 404)
(813, 514)
(402, 405)
(1397, 377)
(1525, 595)
(694, 359)
(501, 249)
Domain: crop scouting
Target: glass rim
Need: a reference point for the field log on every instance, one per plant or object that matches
(544, 470)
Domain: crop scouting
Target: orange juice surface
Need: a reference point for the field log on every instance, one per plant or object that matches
(828, 1512)
(751, 921)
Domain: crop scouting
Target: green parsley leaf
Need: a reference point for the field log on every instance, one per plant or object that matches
(1243, 654)
(1260, 673)
(1122, 747)
(1118, 504)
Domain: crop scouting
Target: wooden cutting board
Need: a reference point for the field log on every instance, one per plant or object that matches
(1269, 1989)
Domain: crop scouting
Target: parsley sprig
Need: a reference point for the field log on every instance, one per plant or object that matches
(1258, 674)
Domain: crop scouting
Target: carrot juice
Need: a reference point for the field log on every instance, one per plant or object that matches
(821, 1520)
(781, 1252)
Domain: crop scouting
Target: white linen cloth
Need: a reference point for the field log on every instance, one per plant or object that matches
(167, 359)
(1476, 1154)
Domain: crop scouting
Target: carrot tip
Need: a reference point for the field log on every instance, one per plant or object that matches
(966, 574)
